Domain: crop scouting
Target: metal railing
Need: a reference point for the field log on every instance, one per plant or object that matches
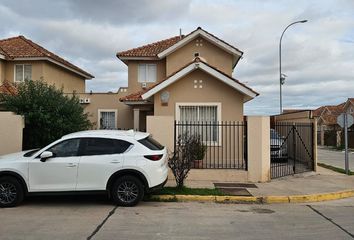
(225, 143)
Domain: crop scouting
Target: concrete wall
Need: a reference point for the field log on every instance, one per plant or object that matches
(213, 55)
(258, 143)
(162, 129)
(37, 69)
(61, 77)
(108, 101)
(51, 73)
(299, 117)
(213, 90)
(133, 84)
(11, 127)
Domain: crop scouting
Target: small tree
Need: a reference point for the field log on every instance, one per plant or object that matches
(48, 113)
(183, 157)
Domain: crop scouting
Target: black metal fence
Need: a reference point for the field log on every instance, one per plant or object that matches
(291, 148)
(225, 143)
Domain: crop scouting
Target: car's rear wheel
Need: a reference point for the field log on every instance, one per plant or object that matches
(127, 191)
(11, 192)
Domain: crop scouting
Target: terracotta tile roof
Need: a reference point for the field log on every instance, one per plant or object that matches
(153, 49)
(21, 47)
(137, 96)
(150, 50)
(8, 88)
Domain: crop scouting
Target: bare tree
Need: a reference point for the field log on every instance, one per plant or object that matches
(183, 157)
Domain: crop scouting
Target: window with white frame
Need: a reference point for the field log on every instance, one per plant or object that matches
(200, 119)
(23, 72)
(147, 73)
(107, 119)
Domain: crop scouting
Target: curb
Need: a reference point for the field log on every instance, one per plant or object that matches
(318, 197)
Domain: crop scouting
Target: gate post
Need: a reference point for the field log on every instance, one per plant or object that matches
(258, 147)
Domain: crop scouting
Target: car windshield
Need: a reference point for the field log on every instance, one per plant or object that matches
(31, 152)
(274, 134)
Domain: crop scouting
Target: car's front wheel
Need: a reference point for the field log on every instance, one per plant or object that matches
(11, 192)
(127, 191)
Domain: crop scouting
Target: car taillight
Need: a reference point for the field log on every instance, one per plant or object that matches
(153, 157)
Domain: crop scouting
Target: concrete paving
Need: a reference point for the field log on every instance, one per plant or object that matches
(322, 181)
(334, 158)
(85, 218)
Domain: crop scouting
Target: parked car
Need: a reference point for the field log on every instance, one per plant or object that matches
(122, 164)
(278, 147)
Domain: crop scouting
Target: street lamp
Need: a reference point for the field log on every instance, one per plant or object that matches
(281, 75)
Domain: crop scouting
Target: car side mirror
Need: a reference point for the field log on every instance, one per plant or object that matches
(45, 155)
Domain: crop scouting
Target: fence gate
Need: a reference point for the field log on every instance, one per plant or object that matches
(291, 148)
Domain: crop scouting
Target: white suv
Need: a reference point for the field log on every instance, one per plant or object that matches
(124, 164)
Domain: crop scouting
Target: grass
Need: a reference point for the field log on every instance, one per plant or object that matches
(336, 169)
(189, 191)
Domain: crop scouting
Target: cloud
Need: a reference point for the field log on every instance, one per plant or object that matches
(317, 56)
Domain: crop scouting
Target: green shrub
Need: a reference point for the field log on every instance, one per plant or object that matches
(48, 113)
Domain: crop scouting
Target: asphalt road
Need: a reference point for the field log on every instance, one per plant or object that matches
(335, 158)
(89, 218)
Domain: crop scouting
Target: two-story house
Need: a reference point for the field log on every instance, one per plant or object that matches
(188, 77)
(21, 58)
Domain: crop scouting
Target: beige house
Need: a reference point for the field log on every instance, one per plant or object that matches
(329, 132)
(21, 59)
(187, 77)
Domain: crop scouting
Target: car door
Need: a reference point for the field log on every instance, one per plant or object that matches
(101, 157)
(58, 173)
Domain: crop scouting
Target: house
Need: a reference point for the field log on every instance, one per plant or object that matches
(188, 77)
(330, 133)
(21, 59)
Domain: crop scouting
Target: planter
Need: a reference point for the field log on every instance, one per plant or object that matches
(198, 163)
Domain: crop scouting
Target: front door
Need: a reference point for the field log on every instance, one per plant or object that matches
(58, 173)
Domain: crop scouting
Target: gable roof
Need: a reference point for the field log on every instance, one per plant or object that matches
(21, 48)
(161, 49)
(197, 63)
(149, 50)
(201, 32)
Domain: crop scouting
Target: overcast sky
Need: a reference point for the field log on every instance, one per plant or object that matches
(318, 56)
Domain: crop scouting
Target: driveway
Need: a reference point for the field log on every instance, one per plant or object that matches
(334, 158)
(88, 218)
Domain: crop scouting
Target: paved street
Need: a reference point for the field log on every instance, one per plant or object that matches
(335, 158)
(88, 218)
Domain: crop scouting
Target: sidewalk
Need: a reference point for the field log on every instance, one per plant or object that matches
(313, 183)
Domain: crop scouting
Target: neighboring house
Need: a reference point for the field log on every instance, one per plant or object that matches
(21, 59)
(330, 133)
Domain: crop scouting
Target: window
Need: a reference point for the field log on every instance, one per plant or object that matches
(67, 148)
(107, 119)
(101, 146)
(23, 72)
(147, 73)
(201, 116)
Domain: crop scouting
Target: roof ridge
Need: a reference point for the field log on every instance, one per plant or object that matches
(34, 45)
(10, 38)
